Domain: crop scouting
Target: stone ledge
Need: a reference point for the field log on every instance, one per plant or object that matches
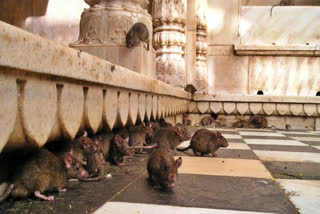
(23, 50)
(50, 92)
(257, 98)
(263, 105)
(276, 50)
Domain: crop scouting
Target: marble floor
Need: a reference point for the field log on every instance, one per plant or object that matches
(262, 171)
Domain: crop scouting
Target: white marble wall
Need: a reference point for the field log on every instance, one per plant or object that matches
(286, 26)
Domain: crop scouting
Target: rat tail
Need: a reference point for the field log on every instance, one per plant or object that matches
(6, 193)
(185, 149)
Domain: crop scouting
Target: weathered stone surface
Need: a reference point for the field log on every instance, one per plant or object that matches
(8, 107)
(193, 106)
(123, 106)
(243, 108)
(283, 76)
(110, 111)
(154, 106)
(279, 30)
(70, 109)
(228, 75)
(310, 109)
(16, 44)
(216, 107)
(133, 107)
(269, 108)
(296, 109)
(229, 108)
(203, 106)
(300, 123)
(283, 109)
(149, 106)
(93, 108)
(142, 106)
(38, 109)
(224, 29)
(256, 108)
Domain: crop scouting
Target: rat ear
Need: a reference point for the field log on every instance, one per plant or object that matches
(118, 140)
(219, 134)
(85, 133)
(143, 124)
(178, 162)
(178, 131)
(68, 160)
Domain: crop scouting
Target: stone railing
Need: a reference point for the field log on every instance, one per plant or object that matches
(49, 91)
(263, 105)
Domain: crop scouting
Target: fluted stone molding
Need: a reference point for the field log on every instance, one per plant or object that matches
(201, 72)
(108, 21)
(49, 91)
(262, 105)
(169, 19)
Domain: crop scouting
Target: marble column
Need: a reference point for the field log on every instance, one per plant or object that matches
(103, 29)
(169, 19)
(201, 72)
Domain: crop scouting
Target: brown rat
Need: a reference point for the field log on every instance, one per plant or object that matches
(184, 130)
(118, 149)
(206, 142)
(258, 121)
(168, 138)
(137, 34)
(241, 124)
(124, 133)
(137, 139)
(153, 127)
(162, 168)
(44, 171)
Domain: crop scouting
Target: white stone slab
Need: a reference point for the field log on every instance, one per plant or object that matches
(317, 147)
(221, 130)
(264, 134)
(304, 194)
(297, 133)
(241, 146)
(248, 129)
(232, 136)
(274, 142)
(287, 156)
(134, 208)
(311, 139)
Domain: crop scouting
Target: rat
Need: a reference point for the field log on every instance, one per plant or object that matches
(206, 142)
(137, 34)
(118, 149)
(257, 121)
(241, 124)
(44, 171)
(185, 132)
(168, 138)
(151, 131)
(208, 120)
(137, 139)
(162, 168)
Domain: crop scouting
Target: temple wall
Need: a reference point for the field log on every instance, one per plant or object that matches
(251, 51)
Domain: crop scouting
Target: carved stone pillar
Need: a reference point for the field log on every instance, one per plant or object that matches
(201, 73)
(103, 29)
(169, 19)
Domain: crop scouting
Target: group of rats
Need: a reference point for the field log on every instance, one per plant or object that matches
(50, 167)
